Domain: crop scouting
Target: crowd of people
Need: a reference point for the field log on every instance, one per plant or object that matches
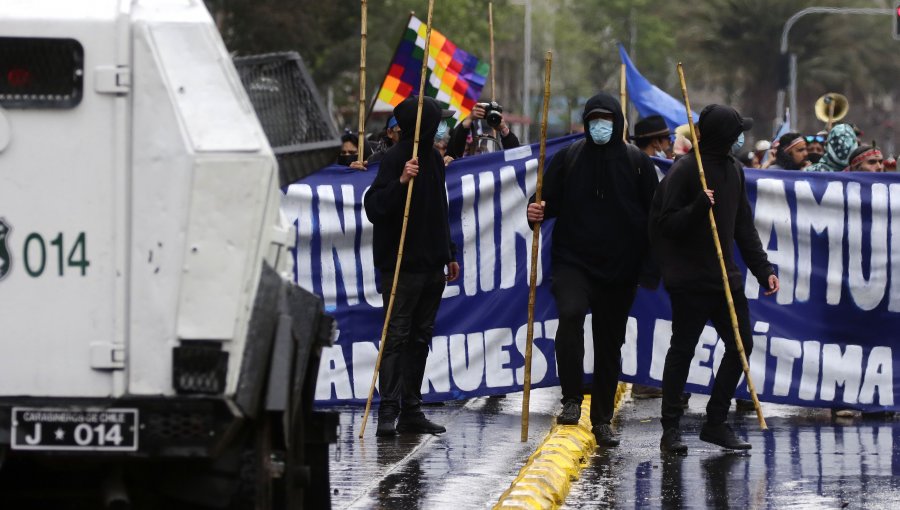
(620, 223)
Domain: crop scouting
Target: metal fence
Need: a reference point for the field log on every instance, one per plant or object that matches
(291, 112)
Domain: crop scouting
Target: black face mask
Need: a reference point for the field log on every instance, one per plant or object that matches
(346, 159)
(814, 158)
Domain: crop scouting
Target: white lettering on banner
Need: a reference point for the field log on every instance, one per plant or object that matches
(662, 334)
(786, 351)
(894, 302)
(298, 204)
(879, 377)
(470, 236)
(867, 293)
(538, 360)
(437, 367)
(701, 373)
(629, 348)
(364, 356)
(495, 231)
(472, 361)
(496, 358)
(467, 360)
(487, 251)
(809, 381)
(841, 369)
(339, 253)
(866, 277)
(822, 217)
(514, 226)
(774, 213)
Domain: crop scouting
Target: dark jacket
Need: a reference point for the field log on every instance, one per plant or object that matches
(427, 246)
(601, 203)
(679, 226)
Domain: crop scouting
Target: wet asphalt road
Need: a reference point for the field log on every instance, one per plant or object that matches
(805, 461)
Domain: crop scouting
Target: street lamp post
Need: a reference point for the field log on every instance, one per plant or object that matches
(792, 82)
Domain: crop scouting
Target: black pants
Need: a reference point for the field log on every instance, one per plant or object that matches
(690, 312)
(576, 292)
(408, 337)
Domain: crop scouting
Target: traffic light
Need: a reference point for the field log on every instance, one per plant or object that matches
(897, 21)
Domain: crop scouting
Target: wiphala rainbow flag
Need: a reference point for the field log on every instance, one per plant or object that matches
(455, 77)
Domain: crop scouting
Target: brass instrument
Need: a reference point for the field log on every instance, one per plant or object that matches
(831, 107)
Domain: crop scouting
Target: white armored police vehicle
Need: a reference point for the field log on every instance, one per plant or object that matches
(150, 352)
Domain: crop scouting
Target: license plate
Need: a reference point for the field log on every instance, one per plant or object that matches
(75, 429)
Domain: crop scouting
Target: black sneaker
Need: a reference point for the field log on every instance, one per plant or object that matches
(418, 424)
(386, 426)
(723, 436)
(671, 442)
(604, 435)
(570, 414)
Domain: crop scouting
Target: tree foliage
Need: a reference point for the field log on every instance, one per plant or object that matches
(730, 49)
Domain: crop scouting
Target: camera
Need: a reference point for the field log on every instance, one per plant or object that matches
(493, 113)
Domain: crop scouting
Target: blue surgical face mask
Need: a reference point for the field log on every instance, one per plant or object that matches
(736, 146)
(441, 132)
(601, 130)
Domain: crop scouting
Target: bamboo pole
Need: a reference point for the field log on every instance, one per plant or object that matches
(409, 190)
(491, 37)
(623, 98)
(362, 84)
(535, 251)
(715, 235)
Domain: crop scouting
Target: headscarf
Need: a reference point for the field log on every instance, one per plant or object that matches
(841, 142)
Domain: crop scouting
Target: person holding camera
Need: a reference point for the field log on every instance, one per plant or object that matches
(485, 117)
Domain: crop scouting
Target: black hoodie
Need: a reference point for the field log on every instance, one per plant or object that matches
(600, 202)
(427, 246)
(679, 225)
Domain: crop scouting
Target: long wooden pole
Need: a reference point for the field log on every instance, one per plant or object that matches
(409, 190)
(491, 37)
(623, 98)
(535, 251)
(715, 235)
(362, 84)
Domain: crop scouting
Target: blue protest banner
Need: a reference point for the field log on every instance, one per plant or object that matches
(826, 339)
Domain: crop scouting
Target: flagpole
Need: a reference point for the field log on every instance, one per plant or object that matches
(409, 190)
(718, 244)
(535, 253)
(491, 36)
(623, 98)
(362, 84)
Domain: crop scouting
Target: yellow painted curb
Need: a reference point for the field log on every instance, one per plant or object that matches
(545, 480)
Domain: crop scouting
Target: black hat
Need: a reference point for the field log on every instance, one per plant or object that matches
(653, 126)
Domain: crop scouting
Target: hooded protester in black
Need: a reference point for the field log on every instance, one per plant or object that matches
(427, 246)
(600, 202)
(679, 227)
(683, 243)
(600, 195)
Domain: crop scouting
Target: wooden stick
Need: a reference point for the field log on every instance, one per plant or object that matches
(715, 235)
(362, 85)
(409, 190)
(623, 98)
(491, 37)
(535, 251)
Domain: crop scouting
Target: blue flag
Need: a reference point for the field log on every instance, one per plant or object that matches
(649, 99)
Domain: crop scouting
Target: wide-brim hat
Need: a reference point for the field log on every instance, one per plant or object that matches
(653, 126)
